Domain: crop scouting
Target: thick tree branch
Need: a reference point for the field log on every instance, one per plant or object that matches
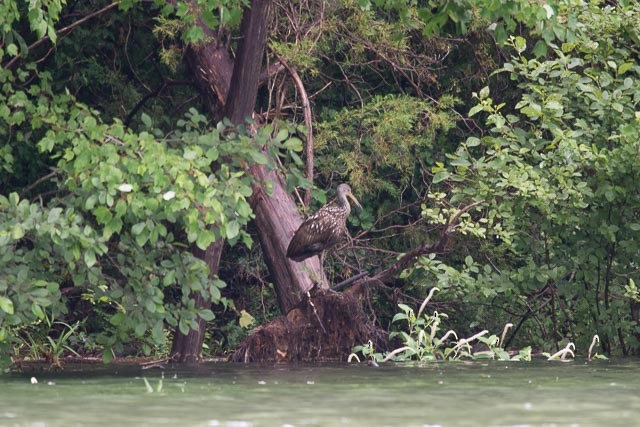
(247, 67)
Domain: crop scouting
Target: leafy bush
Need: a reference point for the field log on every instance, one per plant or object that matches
(558, 172)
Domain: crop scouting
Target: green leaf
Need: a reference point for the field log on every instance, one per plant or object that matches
(232, 229)
(183, 325)
(54, 214)
(520, 44)
(472, 141)
(540, 49)
(623, 68)
(6, 305)
(532, 111)
(90, 257)
(169, 278)
(484, 92)
(107, 355)
(246, 319)
(204, 239)
(182, 9)
(207, 315)
(190, 154)
(90, 203)
(215, 294)
(405, 308)
(475, 110)
(441, 176)
(193, 34)
(142, 239)
(282, 135)
(103, 214)
(137, 228)
(17, 232)
(294, 144)
(12, 49)
(553, 105)
(37, 311)
(212, 154)
(208, 18)
(117, 319)
(610, 194)
(259, 157)
(399, 316)
(460, 161)
(140, 329)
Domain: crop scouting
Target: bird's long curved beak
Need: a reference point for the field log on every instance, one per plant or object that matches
(357, 203)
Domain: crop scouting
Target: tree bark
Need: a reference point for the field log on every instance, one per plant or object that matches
(277, 217)
(243, 89)
(212, 79)
(212, 68)
(230, 88)
(187, 348)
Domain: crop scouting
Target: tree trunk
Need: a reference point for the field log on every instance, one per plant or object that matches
(186, 348)
(213, 84)
(277, 218)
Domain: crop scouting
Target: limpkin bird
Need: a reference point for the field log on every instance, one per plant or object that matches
(323, 229)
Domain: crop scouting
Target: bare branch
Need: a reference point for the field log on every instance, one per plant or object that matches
(39, 181)
(407, 259)
(307, 121)
(65, 30)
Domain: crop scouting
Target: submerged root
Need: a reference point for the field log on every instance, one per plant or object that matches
(324, 326)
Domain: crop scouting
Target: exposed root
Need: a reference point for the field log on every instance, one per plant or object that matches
(324, 326)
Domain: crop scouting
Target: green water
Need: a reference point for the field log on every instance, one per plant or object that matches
(602, 393)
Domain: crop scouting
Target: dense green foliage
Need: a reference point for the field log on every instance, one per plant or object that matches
(106, 184)
(558, 172)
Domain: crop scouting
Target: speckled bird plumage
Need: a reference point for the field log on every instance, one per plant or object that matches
(323, 229)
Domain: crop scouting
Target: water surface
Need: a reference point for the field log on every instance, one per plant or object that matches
(600, 393)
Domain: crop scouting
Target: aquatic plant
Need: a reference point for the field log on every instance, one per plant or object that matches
(51, 341)
(595, 341)
(562, 354)
(150, 389)
(422, 343)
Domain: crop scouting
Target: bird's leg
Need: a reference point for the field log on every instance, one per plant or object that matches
(316, 312)
(324, 273)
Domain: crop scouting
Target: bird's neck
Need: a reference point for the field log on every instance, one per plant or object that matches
(344, 204)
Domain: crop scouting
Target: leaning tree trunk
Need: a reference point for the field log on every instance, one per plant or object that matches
(318, 323)
(277, 217)
(230, 88)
